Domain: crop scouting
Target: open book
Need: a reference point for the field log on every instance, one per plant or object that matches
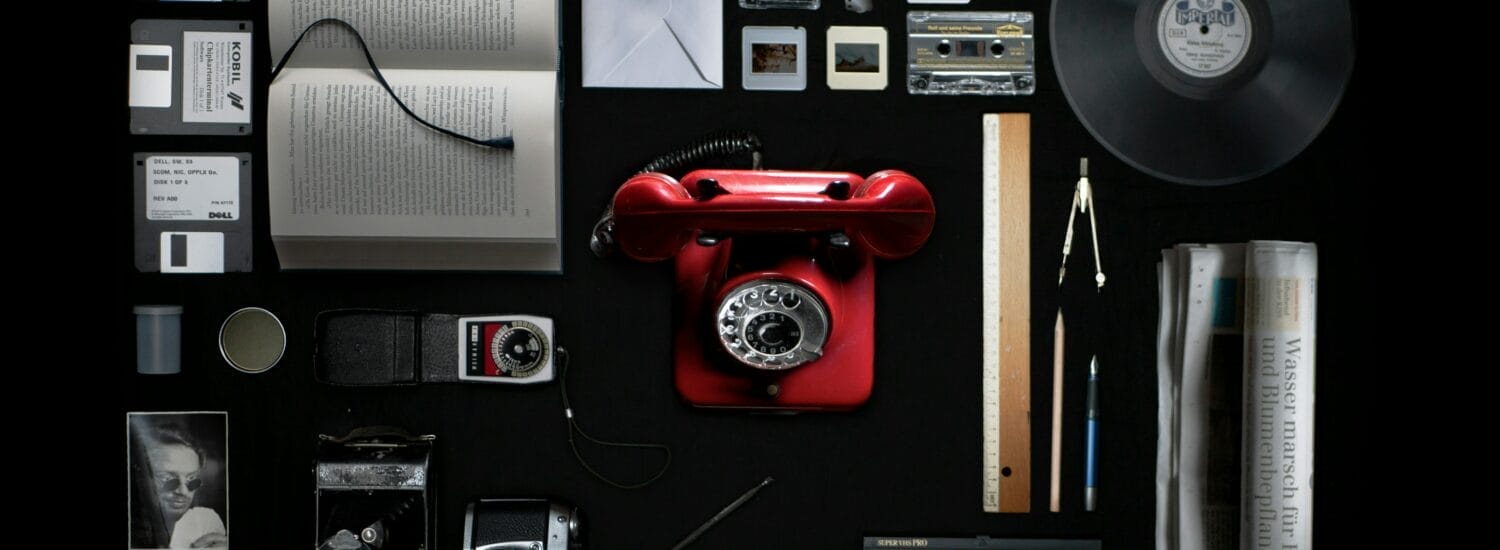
(357, 184)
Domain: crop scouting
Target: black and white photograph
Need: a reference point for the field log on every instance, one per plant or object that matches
(179, 482)
(856, 58)
(774, 58)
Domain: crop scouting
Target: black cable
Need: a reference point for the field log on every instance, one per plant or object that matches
(562, 364)
(507, 142)
(713, 146)
(717, 145)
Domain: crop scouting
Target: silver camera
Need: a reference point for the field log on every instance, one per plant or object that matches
(521, 524)
(372, 490)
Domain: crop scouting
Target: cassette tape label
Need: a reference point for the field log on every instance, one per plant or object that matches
(192, 188)
(216, 78)
(979, 53)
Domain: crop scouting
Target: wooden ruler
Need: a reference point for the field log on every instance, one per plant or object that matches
(1007, 313)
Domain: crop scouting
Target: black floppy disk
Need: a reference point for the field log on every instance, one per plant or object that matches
(190, 77)
(192, 212)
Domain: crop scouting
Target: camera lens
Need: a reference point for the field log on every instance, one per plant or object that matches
(575, 538)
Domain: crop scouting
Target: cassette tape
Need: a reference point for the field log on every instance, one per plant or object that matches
(190, 77)
(969, 53)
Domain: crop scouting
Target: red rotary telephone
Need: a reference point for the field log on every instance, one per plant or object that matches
(775, 277)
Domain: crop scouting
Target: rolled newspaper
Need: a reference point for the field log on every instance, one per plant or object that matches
(1281, 295)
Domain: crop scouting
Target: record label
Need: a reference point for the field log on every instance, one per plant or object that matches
(1204, 38)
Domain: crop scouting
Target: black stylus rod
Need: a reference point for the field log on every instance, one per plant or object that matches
(723, 513)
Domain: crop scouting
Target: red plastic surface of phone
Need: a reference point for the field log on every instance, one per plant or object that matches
(779, 226)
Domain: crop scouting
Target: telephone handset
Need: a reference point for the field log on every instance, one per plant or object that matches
(775, 277)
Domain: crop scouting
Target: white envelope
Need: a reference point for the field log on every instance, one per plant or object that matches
(653, 44)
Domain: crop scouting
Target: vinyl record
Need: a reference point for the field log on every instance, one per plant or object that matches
(1203, 92)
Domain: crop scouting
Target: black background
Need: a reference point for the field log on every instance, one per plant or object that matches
(907, 463)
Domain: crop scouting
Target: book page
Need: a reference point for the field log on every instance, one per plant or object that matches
(517, 35)
(344, 161)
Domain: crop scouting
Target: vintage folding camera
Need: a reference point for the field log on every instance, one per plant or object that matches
(775, 277)
(372, 490)
(521, 524)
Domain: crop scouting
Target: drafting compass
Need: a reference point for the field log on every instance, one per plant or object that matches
(1083, 201)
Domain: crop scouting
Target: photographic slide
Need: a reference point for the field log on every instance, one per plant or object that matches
(856, 58)
(774, 58)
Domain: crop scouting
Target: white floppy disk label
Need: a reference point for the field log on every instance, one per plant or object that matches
(192, 188)
(216, 77)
